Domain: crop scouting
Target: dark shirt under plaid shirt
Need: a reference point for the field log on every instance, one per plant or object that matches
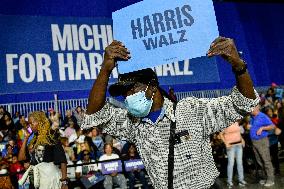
(199, 117)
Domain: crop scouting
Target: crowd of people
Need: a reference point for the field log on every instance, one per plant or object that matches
(256, 142)
(80, 146)
(86, 147)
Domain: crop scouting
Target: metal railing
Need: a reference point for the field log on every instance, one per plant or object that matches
(26, 107)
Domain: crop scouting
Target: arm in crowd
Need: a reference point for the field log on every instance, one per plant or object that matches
(265, 128)
(23, 149)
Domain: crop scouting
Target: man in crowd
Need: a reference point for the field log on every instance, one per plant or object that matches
(174, 144)
(260, 125)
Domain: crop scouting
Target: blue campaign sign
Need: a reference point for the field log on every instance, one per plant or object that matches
(51, 53)
(133, 165)
(39, 54)
(111, 167)
(161, 32)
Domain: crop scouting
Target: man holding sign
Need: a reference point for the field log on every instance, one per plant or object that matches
(150, 115)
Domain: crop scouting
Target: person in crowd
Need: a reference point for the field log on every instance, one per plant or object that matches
(69, 152)
(260, 124)
(7, 153)
(234, 143)
(10, 129)
(16, 117)
(172, 95)
(70, 130)
(83, 144)
(117, 144)
(69, 117)
(85, 169)
(54, 118)
(140, 174)
(93, 147)
(149, 116)
(10, 146)
(281, 126)
(88, 170)
(273, 140)
(116, 178)
(24, 180)
(45, 151)
(5, 180)
(110, 139)
(14, 169)
(98, 141)
(21, 125)
(79, 115)
(70, 157)
(218, 152)
(270, 93)
(3, 112)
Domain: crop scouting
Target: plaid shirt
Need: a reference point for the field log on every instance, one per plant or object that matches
(194, 166)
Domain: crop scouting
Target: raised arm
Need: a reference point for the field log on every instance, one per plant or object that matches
(22, 153)
(226, 48)
(115, 51)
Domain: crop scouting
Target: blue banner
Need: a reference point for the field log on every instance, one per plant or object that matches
(135, 164)
(39, 54)
(111, 167)
(161, 32)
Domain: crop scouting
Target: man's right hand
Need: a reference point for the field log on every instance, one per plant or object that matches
(26, 134)
(114, 52)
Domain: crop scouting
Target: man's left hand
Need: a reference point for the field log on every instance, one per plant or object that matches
(259, 131)
(226, 48)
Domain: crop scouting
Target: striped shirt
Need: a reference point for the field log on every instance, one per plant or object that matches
(200, 117)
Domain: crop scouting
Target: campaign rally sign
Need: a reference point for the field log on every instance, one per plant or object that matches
(111, 167)
(51, 53)
(162, 32)
(133, 165)
(40, 53)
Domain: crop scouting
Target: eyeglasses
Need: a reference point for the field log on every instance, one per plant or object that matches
(86, 154)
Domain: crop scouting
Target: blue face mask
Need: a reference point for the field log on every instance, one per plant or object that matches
(138, 105)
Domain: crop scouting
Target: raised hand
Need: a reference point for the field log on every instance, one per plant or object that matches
(226, 48)
(114, 52)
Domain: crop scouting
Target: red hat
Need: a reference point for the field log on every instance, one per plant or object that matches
(274, 84)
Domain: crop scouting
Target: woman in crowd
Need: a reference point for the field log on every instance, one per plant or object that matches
(273, 140)
(54, 118)
(69, 117)
(114, 177)
(45, 152)
(70, 130)
(79, 115)
(234, 143)
(140, 174)
(98, 141)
